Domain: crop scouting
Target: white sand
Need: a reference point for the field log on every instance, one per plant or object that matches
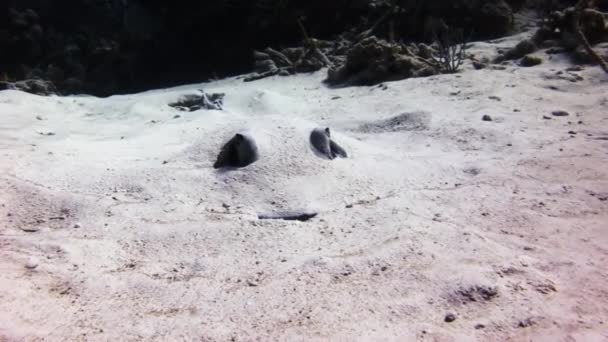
(127, 247)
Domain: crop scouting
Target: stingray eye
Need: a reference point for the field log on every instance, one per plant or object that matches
(323, 146)
(239, 151)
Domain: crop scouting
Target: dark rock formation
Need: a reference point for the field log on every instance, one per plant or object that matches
(523, 48)
(105, 47)
(38, 87)
(558, 30)
(372, 61)
(202, 100)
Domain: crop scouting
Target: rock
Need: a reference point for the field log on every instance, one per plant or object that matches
(32, 86)
(557, 30)
(449, 318)
(425, 51)
(594, 26)
(260, 56)
(373, 61)
(31, 263)
(265, 65)
(486, 118)
(479, 326)
(560, 113)
(523, 48)
(530, 61)
(132, 45)
(203, 100)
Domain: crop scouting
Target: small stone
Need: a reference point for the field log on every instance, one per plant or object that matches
(177, 116)
(560, 113)
(486, 118)
(76, 225)
(30, 229)
(31, 263)
(495, 98)
(479, 326)
(547, 117)
(449, 318)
